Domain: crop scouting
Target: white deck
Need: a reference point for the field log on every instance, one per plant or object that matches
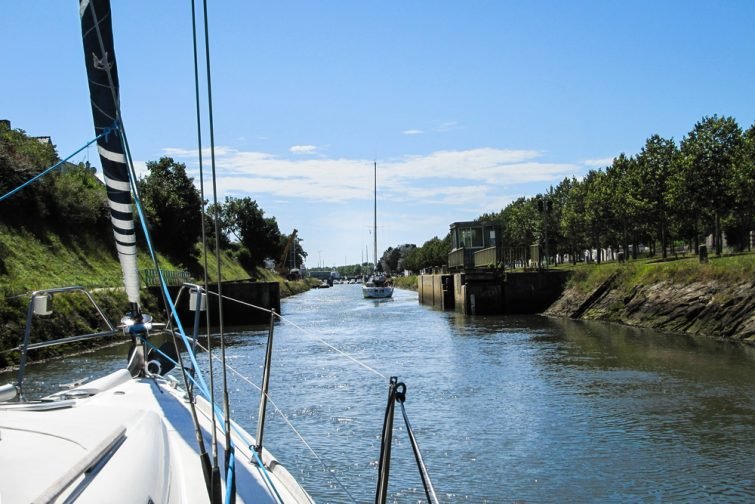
(45, 447)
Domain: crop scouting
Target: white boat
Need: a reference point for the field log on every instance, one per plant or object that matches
(138, 434)
(125, 439)
(376, 286)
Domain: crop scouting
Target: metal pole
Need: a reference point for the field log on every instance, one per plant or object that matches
(385, 449)
(24, 351)
(374, 220)
(265, 385)
(545, 221)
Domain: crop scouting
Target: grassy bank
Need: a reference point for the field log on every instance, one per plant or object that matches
(33, 261)
(716, 299)
(406, 282)
(726, 269)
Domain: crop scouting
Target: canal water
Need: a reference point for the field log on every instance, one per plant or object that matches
(505, 408)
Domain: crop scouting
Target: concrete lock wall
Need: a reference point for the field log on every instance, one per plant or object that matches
(489, 293)
(533, 292)
(435, 291)
(265, 295)
(478, 294)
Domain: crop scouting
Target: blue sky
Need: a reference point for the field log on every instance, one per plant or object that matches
(464, 105)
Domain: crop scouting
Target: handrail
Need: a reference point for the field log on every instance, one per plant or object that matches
(92, 458)
(70, 339)
(25, 346)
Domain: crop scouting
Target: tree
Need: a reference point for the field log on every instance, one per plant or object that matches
(710, 153)
(21, 158)
(394, 259)
(596, 207)
(433, 253)
(389, 260)
(742, 188)
(174, 208)
(80, 201)
(656, 165)
(522, 221)
(573, 225)
(258, 234)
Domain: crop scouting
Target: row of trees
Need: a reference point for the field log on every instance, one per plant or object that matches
(667, 194)
(664, 195)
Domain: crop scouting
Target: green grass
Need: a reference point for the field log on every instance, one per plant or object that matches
(30, 262)
(683, 271)
(408, 282)
(229, 266)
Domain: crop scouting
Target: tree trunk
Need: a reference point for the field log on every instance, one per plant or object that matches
(663, 239)
(717, 234)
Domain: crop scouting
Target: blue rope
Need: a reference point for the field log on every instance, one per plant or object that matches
(230, 471)
(263, 469)
(105, 134)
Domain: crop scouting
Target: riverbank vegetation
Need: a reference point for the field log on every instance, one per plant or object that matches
(714, 299)
(586, 278)
(666, 199)
(56, 232)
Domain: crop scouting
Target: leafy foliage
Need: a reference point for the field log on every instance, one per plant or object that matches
(174, 208)
(433, 253)
(245, 220)
(21, 158)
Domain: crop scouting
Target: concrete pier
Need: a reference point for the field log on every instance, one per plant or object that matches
(491, 292)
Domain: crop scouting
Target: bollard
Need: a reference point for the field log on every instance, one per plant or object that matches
(703, 254)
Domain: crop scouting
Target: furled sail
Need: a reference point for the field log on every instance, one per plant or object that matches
(102, 73)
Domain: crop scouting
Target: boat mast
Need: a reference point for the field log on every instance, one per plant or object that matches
(374, 218)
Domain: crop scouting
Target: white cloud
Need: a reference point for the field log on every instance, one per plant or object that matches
(599, 163)
(303, 149)
(412, 132)
(473, 177)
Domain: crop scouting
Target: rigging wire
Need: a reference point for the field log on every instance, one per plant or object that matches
(204, 231)
(226, 405)
(308, 333)
(287, 421)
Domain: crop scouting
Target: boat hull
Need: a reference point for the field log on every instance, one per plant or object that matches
(376, 292)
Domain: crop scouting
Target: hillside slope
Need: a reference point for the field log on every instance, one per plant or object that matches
(32, 261)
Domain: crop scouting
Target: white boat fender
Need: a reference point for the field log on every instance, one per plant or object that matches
(8, 392)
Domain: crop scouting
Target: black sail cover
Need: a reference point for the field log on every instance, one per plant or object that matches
(102, 73)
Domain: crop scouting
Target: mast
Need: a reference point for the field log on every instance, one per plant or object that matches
(102, 74)
(374, 217)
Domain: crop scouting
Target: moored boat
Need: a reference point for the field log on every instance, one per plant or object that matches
(377, 286)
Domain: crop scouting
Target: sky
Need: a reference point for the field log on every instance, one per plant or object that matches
(465, 106)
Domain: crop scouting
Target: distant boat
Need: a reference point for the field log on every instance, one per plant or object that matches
(376, 286)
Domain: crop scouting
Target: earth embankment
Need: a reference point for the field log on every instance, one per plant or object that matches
(717, 304)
